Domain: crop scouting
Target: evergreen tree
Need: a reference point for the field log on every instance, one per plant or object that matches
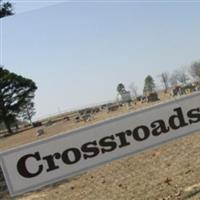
(6, 9)
(149, 85)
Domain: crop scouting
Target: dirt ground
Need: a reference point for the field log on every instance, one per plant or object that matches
(168, 172)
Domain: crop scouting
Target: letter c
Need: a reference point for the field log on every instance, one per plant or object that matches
(22, 169)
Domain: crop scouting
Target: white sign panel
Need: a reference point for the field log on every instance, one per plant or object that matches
(57, 158)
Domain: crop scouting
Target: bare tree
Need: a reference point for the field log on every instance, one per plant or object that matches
(133, 89)
(182, 75)
(195, 70)
(179, 76)
(173, 80)
(164, 77)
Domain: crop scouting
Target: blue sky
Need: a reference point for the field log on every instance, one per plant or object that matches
(21, 6)
(77, 53)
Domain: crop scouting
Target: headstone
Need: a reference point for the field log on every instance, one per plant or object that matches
(152, 97)
(49, 123)
(37, 124)
(40, 132)
(87, 117)
(112, 107)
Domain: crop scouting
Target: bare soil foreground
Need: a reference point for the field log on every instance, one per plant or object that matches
(168, 172)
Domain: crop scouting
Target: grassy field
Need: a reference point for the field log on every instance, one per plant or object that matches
(165, 173)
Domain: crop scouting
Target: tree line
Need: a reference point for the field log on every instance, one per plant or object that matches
(181, 76)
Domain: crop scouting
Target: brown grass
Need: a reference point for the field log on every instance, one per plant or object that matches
(168, 172)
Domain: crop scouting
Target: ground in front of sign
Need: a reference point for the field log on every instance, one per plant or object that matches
(168, 172)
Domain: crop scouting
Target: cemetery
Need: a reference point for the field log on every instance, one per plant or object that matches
(45, 129)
